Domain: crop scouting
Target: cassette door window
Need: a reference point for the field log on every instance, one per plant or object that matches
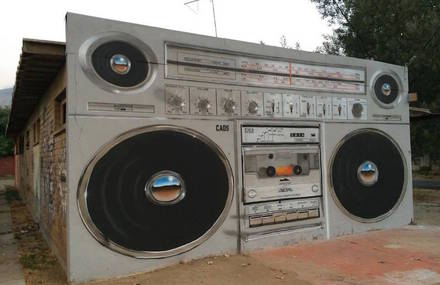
(273, 173)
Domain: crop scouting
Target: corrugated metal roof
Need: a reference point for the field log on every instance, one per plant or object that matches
(420, 114)
(40, 61)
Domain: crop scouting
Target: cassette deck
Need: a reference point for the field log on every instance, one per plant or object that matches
(281, 178)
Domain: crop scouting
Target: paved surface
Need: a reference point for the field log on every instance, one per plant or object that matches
(405, 256)
(11, 272)
(426, 184)
(410, 255)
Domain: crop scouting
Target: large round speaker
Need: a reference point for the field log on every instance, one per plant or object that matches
(368, 175)
(386, 90)
(118, 62)
(156, 192)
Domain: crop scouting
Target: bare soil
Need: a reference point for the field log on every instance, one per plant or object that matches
(221, 270)
(39, 264)
(427, 207)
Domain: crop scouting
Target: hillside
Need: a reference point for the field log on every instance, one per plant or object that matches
(5, 96)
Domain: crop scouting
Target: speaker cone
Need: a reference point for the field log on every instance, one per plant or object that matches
(156, 192)
(120, 63)
(386, 89)
(368, 175)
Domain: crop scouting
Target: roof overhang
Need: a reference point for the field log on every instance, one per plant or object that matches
(421, 114)
(40, 61)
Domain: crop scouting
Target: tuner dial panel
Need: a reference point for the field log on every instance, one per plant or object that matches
(273, 105)
(177, 99)
(252, 104)
(203, 101)
(228, 102)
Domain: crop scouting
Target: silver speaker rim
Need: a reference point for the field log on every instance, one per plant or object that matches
(85, 60)
(330, 177)
(373, 93)
(99, 236)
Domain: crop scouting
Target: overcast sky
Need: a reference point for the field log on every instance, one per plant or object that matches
(247, 20)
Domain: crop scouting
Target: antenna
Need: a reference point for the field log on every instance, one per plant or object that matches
(213, 14)
(188, 4)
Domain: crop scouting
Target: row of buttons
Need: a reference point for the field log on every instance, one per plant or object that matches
(256, 221)
(227, 102)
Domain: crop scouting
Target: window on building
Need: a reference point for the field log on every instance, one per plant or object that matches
(60, 111)
(20, 145)
(27, 139)
(36, 131)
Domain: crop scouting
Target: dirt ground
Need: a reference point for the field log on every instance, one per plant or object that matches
(427, 206)
(41, 266)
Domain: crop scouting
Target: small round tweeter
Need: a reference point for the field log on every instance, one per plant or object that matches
(386, 89)
(156, 191)
(118, 62)
(368, 175)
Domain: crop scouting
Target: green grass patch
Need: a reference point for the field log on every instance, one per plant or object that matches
(31, 261)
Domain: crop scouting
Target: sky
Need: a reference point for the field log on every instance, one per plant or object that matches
(246, 20)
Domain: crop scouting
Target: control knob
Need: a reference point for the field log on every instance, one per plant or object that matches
(229, 106)
(253, 107)
(177, 102)
(204, 105)
(357, 109)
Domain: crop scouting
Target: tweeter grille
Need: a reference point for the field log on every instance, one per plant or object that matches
(368, 175)
(386, 90)
(156, 192)
(118, 62)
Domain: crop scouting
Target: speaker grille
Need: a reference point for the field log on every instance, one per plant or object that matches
(386, 89)
(120, 211)
(362, 200)
(101, 61)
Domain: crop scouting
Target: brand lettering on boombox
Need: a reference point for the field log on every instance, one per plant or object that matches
(248, 130)
(285, 189)
(222, 128)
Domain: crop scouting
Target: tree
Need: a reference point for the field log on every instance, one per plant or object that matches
(6, 144)
(403, 32)
(285, 44)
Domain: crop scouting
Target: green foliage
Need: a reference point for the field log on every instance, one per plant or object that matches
(425, 138)
(30, 261)
(424, 170)
(6, 144)
(403, 32)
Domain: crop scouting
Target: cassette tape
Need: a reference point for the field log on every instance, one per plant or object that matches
(283, 172)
